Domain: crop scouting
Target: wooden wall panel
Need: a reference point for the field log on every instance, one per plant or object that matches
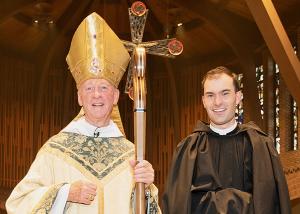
(190, 98)
(56, 103)
(160, 136)
(16, 119)
(17, 145)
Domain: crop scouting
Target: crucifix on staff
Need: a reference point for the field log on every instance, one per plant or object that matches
(136, 81)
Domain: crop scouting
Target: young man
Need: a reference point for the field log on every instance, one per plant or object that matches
(88, 167)
(223, 167)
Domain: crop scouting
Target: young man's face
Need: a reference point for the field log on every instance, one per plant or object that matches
(220, 100)
(97, 96)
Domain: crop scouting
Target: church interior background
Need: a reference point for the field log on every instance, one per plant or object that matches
(38, 95)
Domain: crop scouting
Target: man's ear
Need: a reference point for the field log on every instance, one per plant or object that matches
(239, 97)
(79, 98)
(203, 102)
(116, 96)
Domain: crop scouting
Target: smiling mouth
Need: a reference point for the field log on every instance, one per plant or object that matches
(97, 104)
(219, 110)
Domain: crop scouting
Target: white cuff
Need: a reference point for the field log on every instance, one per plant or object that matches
(61, 200)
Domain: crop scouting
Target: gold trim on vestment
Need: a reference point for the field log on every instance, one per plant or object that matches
(68, 156)
(45, 204)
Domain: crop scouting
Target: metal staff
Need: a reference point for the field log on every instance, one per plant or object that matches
(136, 81)
(139, 93)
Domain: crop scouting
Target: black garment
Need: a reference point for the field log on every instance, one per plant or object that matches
(202, 180)
(225, 164)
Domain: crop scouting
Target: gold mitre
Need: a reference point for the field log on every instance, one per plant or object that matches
(96, 52)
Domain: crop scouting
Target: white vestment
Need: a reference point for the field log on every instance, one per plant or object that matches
(75, 154)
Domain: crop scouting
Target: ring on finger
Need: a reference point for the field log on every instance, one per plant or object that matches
(90, 197)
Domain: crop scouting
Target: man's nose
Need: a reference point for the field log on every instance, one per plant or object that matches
(97, 93)
(218, 100)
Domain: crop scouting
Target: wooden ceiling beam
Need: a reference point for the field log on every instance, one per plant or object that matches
(278, 43)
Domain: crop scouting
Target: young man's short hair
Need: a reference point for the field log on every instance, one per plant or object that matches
(218, 71)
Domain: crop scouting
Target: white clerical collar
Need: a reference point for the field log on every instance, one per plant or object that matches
(81, 126)
(223, 131)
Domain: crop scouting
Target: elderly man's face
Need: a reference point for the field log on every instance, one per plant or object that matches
(220, 100)
(97, 96)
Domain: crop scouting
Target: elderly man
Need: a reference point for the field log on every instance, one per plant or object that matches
(89, 166)
(223, 167)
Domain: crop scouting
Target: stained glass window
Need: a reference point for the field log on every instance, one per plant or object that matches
(277, 136)
(260, 87)
(295, 120)
(240, 110)
(295, 125)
